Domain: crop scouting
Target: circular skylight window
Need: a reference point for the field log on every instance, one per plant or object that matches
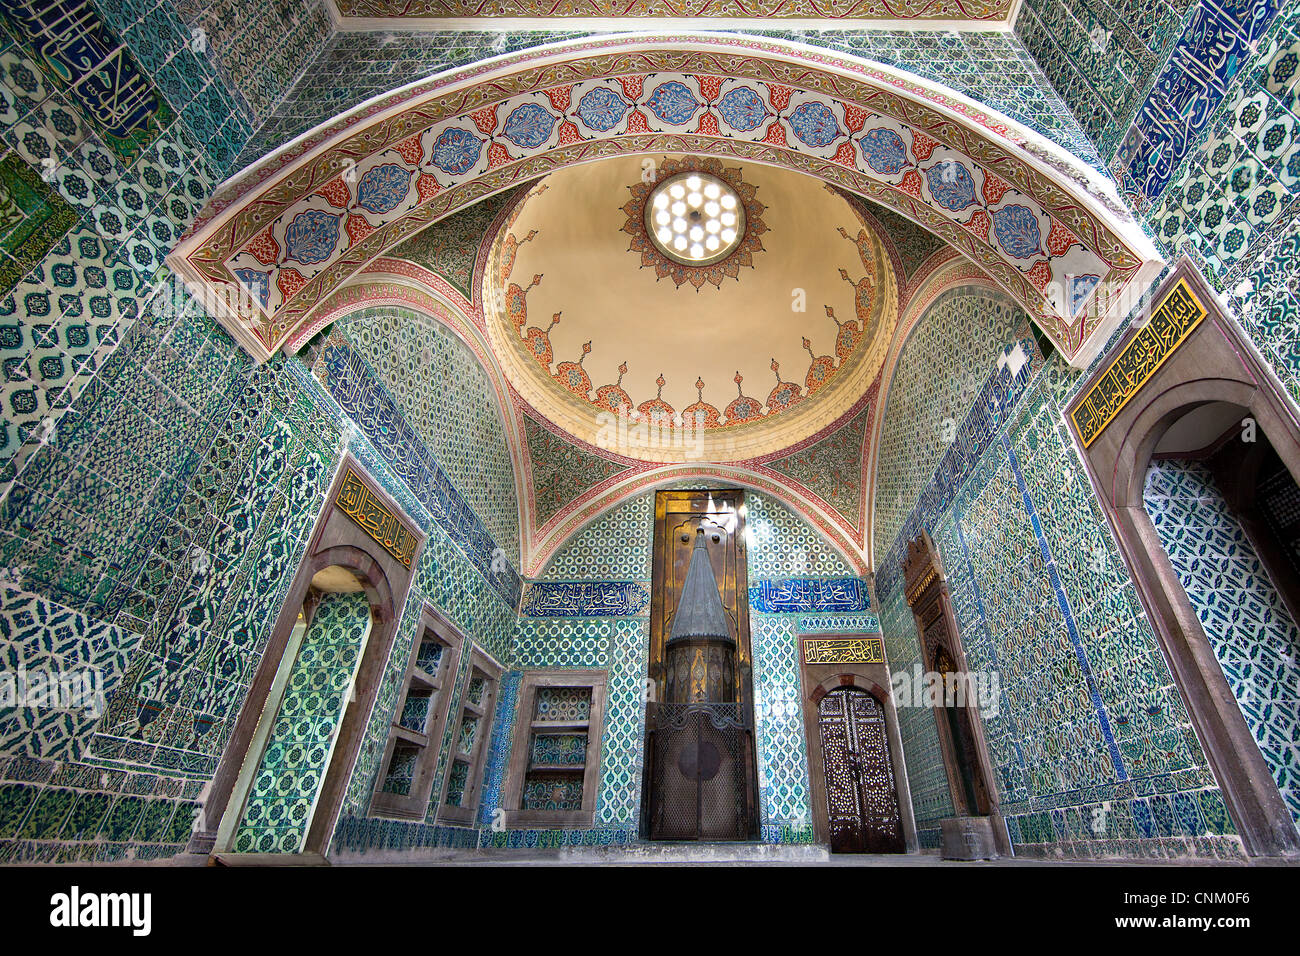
(694, 218)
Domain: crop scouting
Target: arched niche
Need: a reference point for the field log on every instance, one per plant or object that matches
(1186, 354)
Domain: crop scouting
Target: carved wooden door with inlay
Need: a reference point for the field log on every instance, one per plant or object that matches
(861, 802)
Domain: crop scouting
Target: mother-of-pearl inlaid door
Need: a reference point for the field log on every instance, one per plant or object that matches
(861, 802)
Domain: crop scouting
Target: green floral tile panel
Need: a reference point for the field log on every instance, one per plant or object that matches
(292, 769)
(33, 217)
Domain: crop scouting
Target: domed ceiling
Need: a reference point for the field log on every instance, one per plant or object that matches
(630, 351)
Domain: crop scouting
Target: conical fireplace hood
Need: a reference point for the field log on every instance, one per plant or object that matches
(699, 612)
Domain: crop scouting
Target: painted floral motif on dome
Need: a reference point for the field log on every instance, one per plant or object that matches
(742, 109)
(656, 411)
(383, 188)
(815, 125)
(785, 394)
(602, 109)
(673, 103)
(1018, 231)
(951, 185)
(510, 249)
(612, 398)
(517, 303)
(848, 337)
(529, 125)
(456, 151)
(820, 370)
(884, 151)
(312, 236)
(696, 276)
(572, 375)
(743, 408)
(539, 342)
(700, 414)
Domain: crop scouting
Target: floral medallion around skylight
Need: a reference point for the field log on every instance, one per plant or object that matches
(695, 219)
(588, 333)
(698, 242)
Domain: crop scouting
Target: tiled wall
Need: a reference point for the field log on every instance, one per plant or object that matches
(1248, 625)
(1092, 748)
(292, 768)
(943, 368)
(1193, 107)
(258, 46)
(444, 393)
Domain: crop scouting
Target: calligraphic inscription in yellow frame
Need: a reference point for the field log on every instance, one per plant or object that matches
(1175, 318)
(843, 650)
(363, 506)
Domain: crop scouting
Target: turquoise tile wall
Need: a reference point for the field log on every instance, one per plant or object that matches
(258, 47)
(445, 395)
(292, 768)
(1245, 619)
(1092, 748)
(1193, 107)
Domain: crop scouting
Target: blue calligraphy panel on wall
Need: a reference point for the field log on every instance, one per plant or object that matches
(1213, 47)
(85, 58)
(795, 595)
(584, 599)
(365, 400)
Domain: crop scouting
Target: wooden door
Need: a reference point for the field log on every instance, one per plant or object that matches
(861, 801)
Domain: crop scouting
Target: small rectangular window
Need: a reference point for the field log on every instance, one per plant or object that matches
(470, 742)
(554, 768)
(414, 739)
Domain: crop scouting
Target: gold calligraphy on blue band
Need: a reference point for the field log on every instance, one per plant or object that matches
(843, 650)
(363, 506)
(1173, 320)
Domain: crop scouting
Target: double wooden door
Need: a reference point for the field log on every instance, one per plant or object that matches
(861, 800)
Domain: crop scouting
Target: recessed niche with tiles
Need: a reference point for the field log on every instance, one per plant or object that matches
(553, 774)
(411, 756)
(470, 741)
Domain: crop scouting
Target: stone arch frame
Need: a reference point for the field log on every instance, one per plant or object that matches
(1214, 363)
(818, 681)
(336, 541)
(596, 507)
(246, 223)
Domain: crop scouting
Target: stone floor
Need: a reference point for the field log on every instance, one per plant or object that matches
(705, 855)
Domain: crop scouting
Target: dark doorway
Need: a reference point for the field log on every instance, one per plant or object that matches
(861, 800)
(1227, 514)
(963, 742)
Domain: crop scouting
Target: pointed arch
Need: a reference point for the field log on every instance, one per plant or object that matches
(593, 508)
(280, 239)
